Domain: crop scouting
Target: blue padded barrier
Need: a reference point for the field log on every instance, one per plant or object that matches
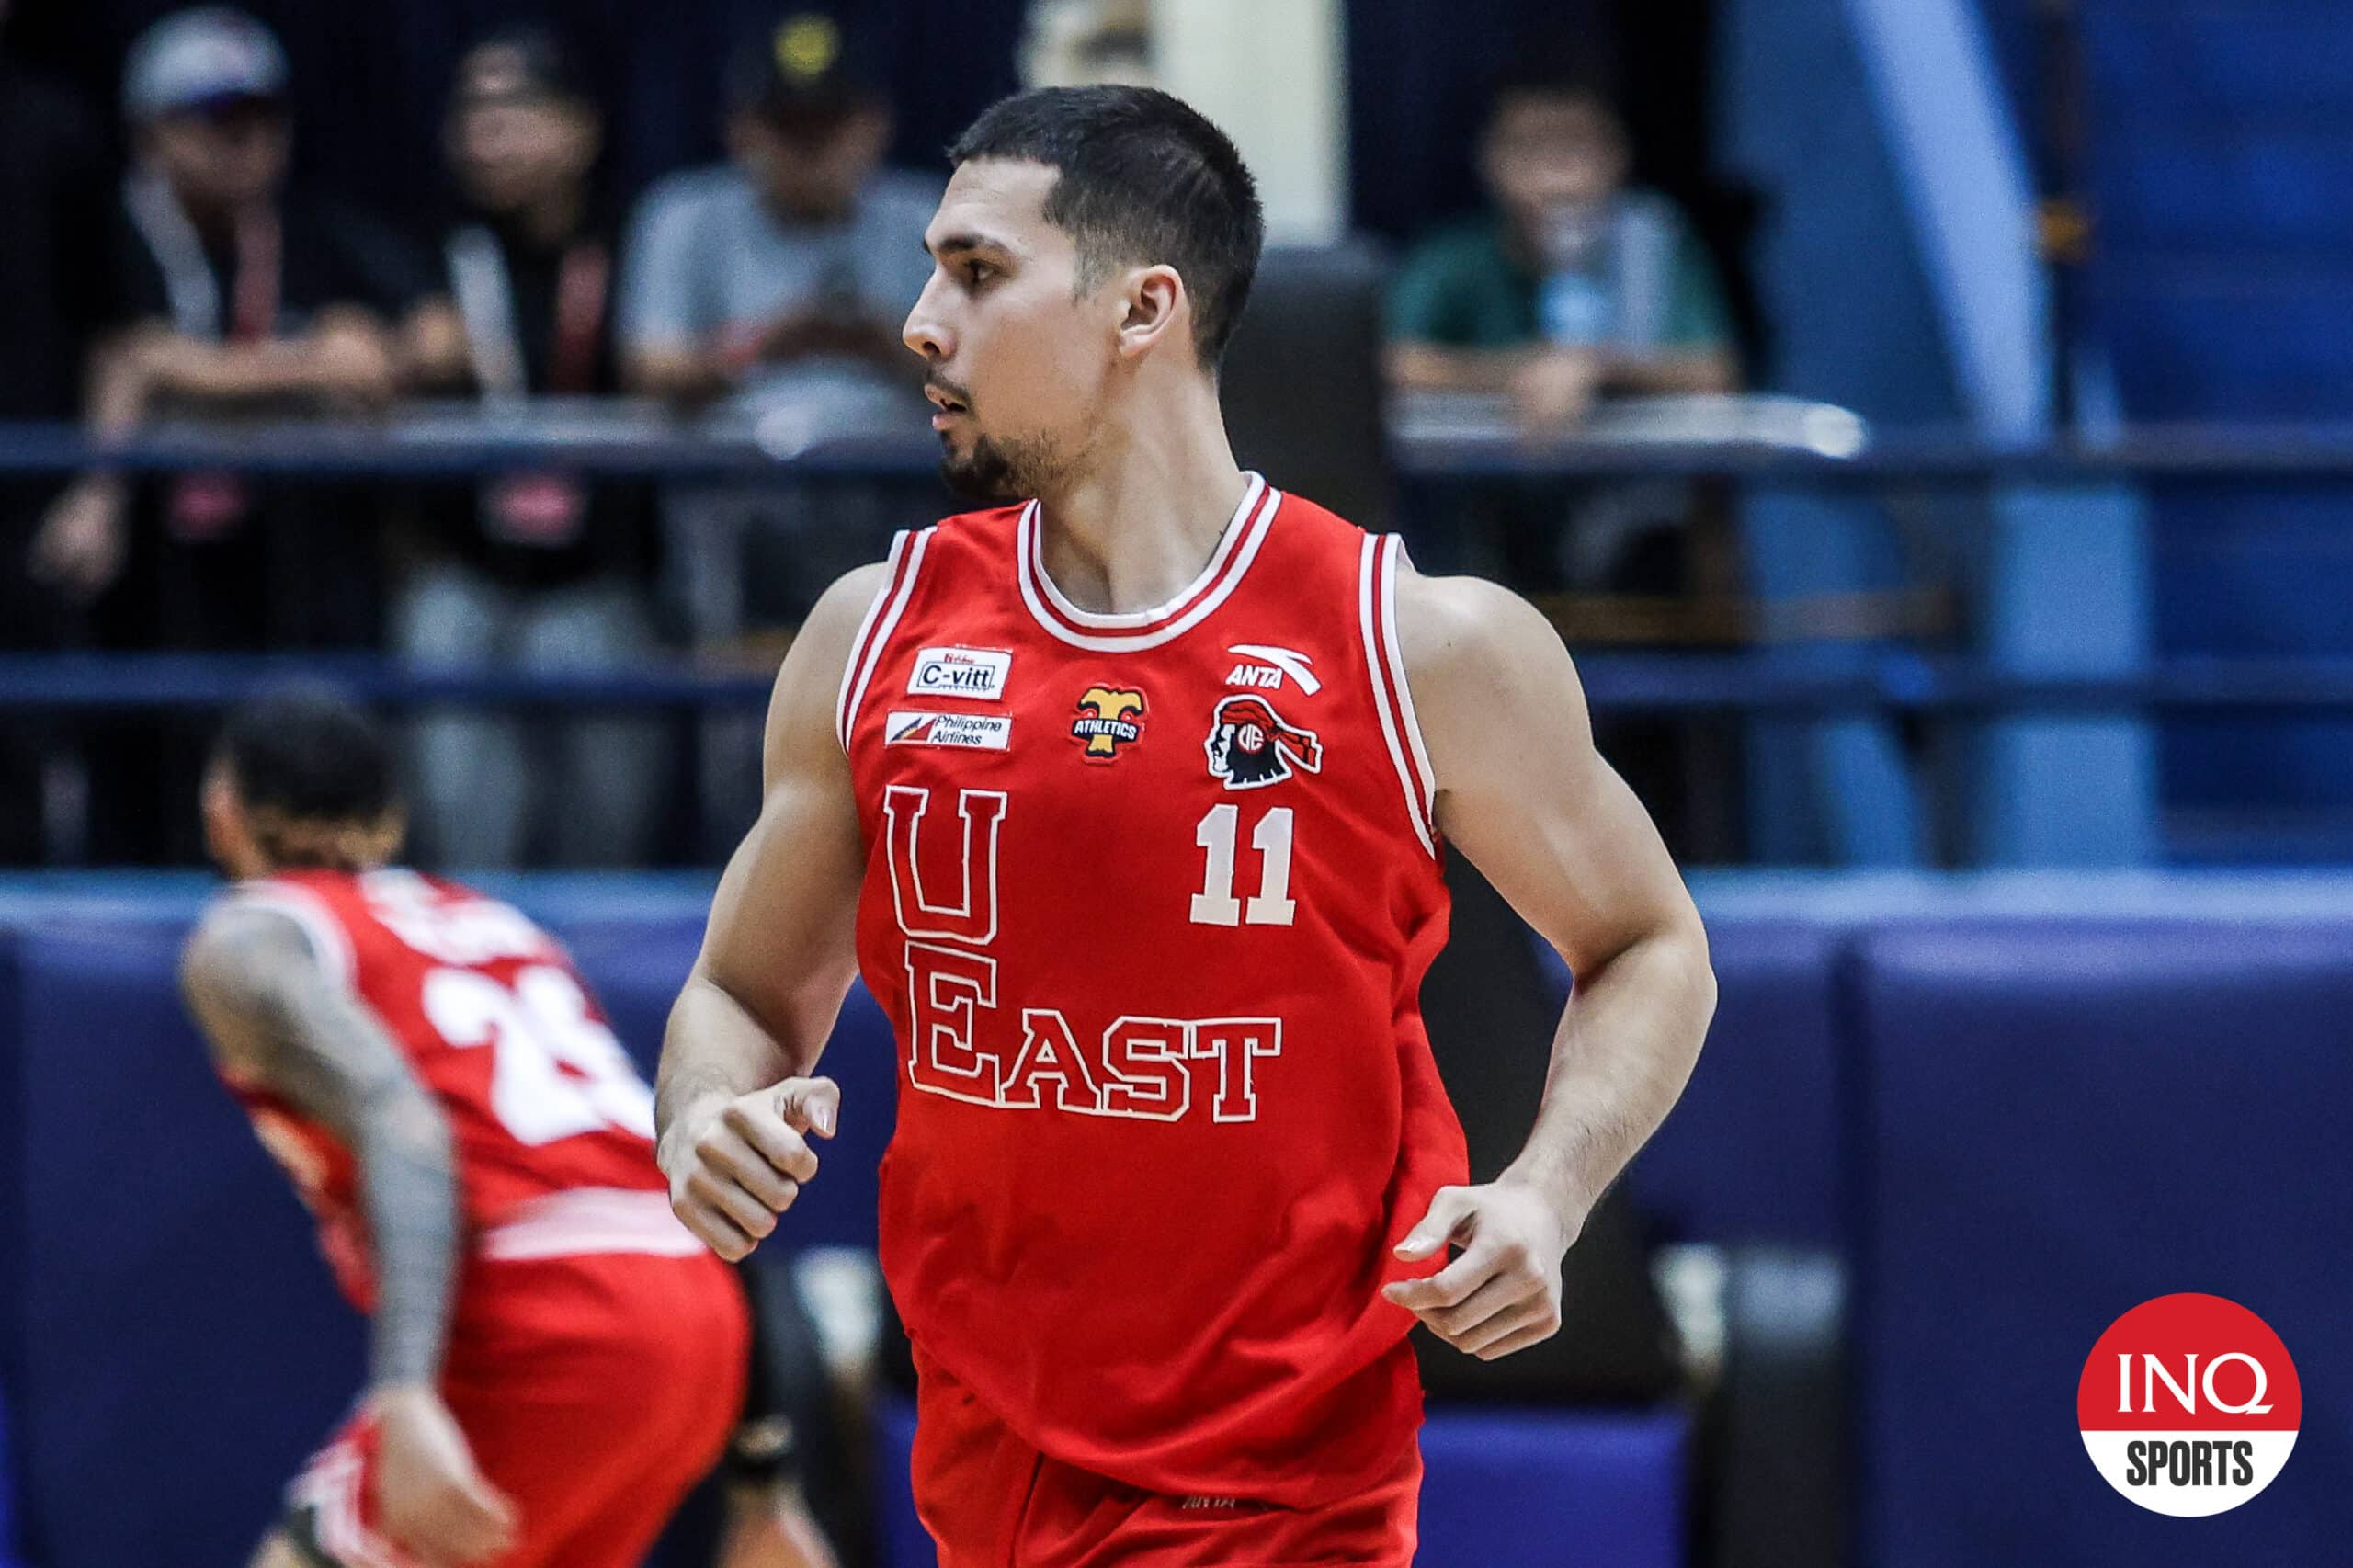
(182, 1347)
(1499, 1490)
(2061, 1120)
(12, 1248)
(1748, 1154)
(9, 1558)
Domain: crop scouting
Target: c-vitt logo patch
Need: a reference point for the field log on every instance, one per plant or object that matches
(2189, 1404)
(961, 672)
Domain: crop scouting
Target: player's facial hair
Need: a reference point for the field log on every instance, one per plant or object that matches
(998, 473)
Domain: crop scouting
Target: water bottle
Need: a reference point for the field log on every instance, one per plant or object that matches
(1575, 307)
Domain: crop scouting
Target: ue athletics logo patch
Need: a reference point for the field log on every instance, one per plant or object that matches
(2189, 1404)
(1107, 719)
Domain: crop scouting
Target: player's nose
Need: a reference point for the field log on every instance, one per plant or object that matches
(926, 331)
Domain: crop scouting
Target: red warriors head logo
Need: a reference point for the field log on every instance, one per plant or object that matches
(1249, 745)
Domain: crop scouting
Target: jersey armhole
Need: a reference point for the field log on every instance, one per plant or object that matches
(907, 547)
(1393, 697)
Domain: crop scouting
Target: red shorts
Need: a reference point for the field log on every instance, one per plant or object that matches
(595, 1391)
(992, 1501)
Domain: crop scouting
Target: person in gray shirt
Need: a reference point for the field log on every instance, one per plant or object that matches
(779, 280)
(771, 291)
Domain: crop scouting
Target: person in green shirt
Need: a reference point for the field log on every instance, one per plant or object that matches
(1572, 288)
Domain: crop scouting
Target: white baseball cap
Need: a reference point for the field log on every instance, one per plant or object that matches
(195, 59)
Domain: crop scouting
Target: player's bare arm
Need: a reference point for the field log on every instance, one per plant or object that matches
(734, 1101)
(275, 1018)
(1522, 791)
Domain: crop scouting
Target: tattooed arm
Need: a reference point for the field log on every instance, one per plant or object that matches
(275, 1016)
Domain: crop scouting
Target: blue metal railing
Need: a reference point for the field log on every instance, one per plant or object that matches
(1762, 682)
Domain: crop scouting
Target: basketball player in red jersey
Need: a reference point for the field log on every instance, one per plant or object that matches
(1127, 799)
(554, 1359)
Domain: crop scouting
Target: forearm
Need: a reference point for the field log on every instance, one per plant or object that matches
(1624, 1049)
(1673, 371)
(411, 1195)
(681, 374)
(714, 1048)
(226, 373)
(1424, 366)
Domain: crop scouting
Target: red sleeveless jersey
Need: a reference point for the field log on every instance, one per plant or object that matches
(1149, 901)
(553, 1127)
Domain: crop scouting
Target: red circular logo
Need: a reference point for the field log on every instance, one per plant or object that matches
(2189, 1404)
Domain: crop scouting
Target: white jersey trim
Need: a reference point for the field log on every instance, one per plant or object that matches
(874, 632)
(1392, 553)
(586, 1221)
(1136, 631)
(1376, 613)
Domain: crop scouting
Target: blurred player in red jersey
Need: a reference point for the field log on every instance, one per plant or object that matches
(1126, 798)
(554, 1359)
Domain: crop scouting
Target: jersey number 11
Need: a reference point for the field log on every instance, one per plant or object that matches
(1272, 904)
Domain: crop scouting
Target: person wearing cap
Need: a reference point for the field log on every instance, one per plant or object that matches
(781, 277)
(235, 297)
(770, 289)
(533, 570)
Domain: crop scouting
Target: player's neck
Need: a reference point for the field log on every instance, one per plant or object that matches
(1137, 525)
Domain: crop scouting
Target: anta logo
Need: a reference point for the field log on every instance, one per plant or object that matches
(1107, 720)
(1250, 745)
(1273, 664)
(960, 672)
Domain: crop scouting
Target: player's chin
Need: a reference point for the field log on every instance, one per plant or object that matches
(980, 475)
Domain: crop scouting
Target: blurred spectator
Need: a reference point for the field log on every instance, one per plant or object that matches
(1575, 287)
(237, 299)
(52, 262)
(776, 287)
(234, 297)
(783, 278)
(536, 571)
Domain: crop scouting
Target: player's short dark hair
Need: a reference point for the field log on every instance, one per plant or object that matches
(1145, 178)
(310, 756)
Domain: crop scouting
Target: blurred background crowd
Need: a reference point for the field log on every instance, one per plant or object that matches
(559, 344)
(610, 224)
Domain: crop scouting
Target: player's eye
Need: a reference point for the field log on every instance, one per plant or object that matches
(977, 273)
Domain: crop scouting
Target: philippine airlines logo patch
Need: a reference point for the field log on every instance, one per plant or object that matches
(2189, 1404)
(969, 731)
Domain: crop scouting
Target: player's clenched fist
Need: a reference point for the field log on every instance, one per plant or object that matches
(1503, 1294)
(735, 1164)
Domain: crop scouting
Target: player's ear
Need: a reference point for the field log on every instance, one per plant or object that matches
(1156, 306)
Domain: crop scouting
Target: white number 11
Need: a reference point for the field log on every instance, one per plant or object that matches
(1271, 905)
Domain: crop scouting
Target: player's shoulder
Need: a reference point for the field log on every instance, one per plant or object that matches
(263, 923)
(1463, 631)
